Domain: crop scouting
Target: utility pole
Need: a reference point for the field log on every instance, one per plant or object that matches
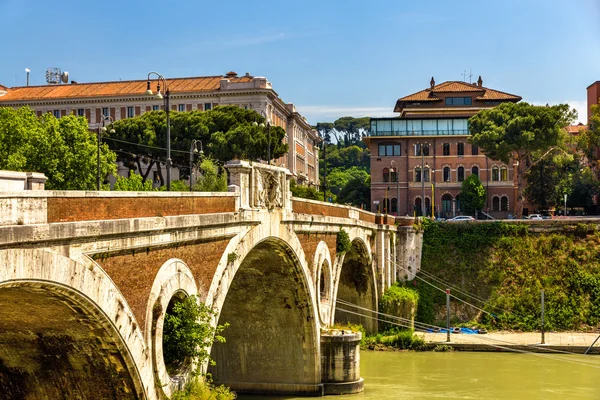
(324, 170)
(447, 315)
(543, 336)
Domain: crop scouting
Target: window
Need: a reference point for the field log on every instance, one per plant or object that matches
(446, 203)
(474, 150)
(386, 175)
(461, 174)
(418, 203)
(460, 149)
(495, 174)
(446, 147)
(155, 107)
(389, 150)
(394, 207)
(421, 147)
(495, 204)
(207, 106)
(475, 170)
(105, 111)
(393, 175)
(504, 204)
(503, 174)
(446, 174)
(56, 113)
(458, 101)
(418, 174)
(426, 175)
(80, 112)
(130, 113)
(181, 107)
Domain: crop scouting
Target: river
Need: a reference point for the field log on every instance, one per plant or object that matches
(477, 376)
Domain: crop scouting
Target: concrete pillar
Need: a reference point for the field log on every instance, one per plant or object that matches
(408, 247)
(340, 362)
(239, 175)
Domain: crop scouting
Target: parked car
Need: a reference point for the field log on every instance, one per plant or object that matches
(461, 218)
(536, 217)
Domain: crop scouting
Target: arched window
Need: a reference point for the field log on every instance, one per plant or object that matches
(393, 175)
(426, 175)
(495, 204)
(386, 175)
(503, 174)
(446, 147)
(427, 206)
(418, 210)
(495, 174)
(425, 150)
(447, 203)
(474, 150)
(458, 205)
(475, 170)
(460, 150)
(394, 207)
(504, 204)
(418, 174)
(446, 174)
(461, 174)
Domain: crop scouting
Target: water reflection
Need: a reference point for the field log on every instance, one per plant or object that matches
(477, 376)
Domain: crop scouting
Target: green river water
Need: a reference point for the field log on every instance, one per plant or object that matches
(462, 375)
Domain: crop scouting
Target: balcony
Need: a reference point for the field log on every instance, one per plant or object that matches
(419, 127)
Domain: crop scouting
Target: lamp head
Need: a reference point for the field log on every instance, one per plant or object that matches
(254, 123)
(159, 95)
(112, 131)
(103, 129)
(148, 90)
(262, 125)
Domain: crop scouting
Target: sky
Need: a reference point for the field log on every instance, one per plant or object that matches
(329, 58)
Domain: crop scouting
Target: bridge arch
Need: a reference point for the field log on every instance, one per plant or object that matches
(173, 278)
(323, 278)
(68, 330)
(356, 279)
(267, 295)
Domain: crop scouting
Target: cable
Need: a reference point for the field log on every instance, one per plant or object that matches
(144, 145)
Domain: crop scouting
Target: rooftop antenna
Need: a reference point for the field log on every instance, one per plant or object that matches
(27, 70)
(54, 76)
(470, 75)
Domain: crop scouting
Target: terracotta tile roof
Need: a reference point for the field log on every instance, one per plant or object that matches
(423, 95)
(574, 129)
(457, 86)
(107, 89)
(491, 94)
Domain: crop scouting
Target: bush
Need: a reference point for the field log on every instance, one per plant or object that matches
(398, 301)
(197, 390)
(343, 243)
(134, 183)
(212, 178)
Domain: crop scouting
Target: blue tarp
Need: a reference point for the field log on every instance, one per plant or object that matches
(462, 330)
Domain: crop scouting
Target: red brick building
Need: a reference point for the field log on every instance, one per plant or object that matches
(593, 97)
(422, 156)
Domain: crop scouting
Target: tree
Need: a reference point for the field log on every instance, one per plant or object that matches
(347, 131)
(522, 133)
(62, 149)
(212, 178)
(133, 183)
(472, 195)
(226, 132)
(356, 192)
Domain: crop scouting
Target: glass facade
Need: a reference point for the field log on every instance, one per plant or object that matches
(418, 127)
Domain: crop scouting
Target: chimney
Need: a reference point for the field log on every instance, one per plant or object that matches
(432, 82)
(231, 74)
(479, 82)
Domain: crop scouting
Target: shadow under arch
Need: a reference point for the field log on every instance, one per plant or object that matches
(272, 339)
(55, 343)
(356, 285)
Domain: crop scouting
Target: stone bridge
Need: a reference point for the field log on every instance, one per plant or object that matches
(86, 279)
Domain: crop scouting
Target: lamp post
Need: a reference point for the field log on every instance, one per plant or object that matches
(394, 167)
(262, 125)
(167, 109)
(194, 149)
(101, 130)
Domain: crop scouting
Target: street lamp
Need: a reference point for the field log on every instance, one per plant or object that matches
(394, 168)
(167, 109)
(194, 149)
(262, 125)
(101, 130)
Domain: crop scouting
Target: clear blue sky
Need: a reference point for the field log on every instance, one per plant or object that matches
(330, 58)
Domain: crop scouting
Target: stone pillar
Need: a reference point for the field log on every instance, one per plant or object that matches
(408, 247)
(239, 175)
(340, 362)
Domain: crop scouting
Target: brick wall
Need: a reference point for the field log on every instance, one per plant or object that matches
(134, 273)
(69, 209)
(324, 209)
(310, 243)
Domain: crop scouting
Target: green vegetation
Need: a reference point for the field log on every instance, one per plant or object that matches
(212, 178)
(309, 192)
(343, 243)
(398, 301)
(395, 339)
(198, 390)
(472, 195)
(133, 183)
(187, 333)
(507, 265)
(62, 149)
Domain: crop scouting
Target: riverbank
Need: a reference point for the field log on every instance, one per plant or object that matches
(572, 342)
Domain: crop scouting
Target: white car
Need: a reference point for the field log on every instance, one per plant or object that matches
(536, 217)
(461, 218)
